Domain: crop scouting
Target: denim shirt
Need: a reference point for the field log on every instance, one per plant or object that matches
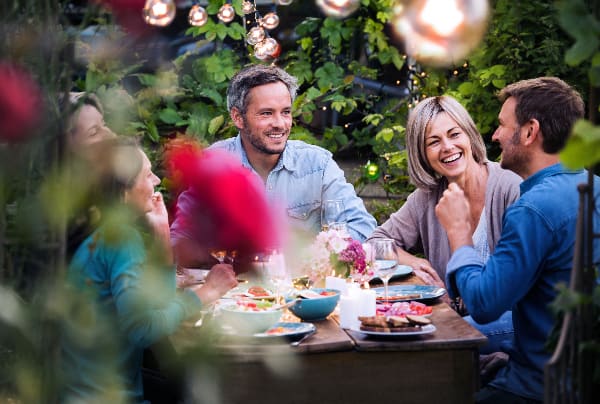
(304, 176)
(533, 255)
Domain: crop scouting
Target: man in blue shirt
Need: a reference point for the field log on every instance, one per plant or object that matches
(535, 251)
(297, 176)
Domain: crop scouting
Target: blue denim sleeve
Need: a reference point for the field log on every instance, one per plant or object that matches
(491, 289)
(360, 223)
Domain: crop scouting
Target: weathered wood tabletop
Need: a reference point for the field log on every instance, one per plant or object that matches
(343, 366)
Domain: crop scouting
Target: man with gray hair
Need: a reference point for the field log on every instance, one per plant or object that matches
(296, 175)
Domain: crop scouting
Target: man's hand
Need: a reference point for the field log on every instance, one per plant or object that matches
(219, 281)
(490, 364)
(453, 212)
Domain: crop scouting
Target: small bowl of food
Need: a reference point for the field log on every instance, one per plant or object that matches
(314, 304)
(248, 317)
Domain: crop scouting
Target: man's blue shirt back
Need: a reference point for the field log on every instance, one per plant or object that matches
(534, 254)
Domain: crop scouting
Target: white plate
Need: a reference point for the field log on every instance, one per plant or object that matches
(242, 292)
(290, 330)
(401, 270)
(426, 329)
(191, 277)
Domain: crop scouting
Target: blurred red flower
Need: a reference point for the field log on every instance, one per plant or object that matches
(20, 103)
(232, 211)
(129, 14)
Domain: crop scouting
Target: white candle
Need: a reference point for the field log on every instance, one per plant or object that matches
(367, 302)
(333, 282)
(349, 312)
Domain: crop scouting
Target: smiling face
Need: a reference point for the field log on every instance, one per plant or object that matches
(265, 126)
(86, 127)
(508, 135)
(139, 196)
(447, 147)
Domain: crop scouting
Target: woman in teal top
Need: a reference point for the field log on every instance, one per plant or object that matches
(124, 276)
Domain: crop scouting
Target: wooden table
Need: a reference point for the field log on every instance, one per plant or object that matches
(343, 366)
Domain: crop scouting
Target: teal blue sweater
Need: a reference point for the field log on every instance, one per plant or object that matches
(125, 305)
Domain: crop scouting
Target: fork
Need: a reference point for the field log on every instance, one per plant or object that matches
(296, 343)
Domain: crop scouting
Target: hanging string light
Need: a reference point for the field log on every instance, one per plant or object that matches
(248, 7)
(255, 35)
(159, 12)
(226, 13)
(162, 13)
(198, 16)
(269, 48)
(338, 8)
(440, 32)
(270, 20)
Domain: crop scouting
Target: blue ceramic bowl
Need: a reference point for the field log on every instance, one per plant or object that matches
(317, 308)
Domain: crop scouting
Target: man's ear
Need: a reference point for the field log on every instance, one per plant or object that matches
(533, 131)
(237, 118)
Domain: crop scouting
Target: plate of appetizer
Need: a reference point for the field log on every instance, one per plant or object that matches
(394, 326)
(251, 292)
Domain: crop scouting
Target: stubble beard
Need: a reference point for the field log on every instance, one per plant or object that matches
(515, 160)
(258, 141)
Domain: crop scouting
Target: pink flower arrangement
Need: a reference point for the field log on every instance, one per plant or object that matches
(334, 252)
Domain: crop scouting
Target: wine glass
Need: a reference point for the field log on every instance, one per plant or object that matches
(386, 261)
(275, 270)
(332, 212)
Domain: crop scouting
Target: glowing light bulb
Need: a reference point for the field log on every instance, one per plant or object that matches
(440, 32)
(338, 8)
(270, 21)
(285, 2)
(159, 12)
(255, 35)
(226, 13)
(198, 16)
(248, 7)
(266, 49)
(443, 16)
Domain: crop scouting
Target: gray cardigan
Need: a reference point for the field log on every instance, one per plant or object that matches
(416, 228)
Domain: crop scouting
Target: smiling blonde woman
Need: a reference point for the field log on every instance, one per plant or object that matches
(444, 146)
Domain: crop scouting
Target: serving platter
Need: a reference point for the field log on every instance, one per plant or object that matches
(406, 293)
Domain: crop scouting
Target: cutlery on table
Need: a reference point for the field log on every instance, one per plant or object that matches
(296, 343)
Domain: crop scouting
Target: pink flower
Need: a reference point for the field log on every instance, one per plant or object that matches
(20, 103)
(334, 252)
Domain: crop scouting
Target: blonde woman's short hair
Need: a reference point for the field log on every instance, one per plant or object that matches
(421, 174)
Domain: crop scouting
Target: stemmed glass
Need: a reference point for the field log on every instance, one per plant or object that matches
(275, 270)
(386, 261)
(332, 213)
